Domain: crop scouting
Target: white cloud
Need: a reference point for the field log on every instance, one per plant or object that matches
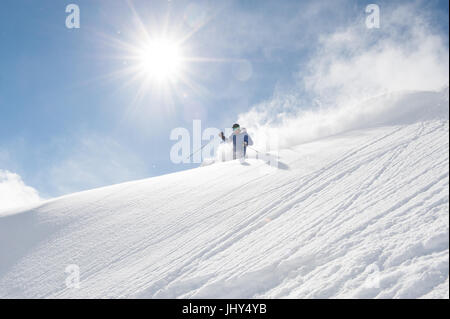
(14, 193)
(351, 69)
(73, 163)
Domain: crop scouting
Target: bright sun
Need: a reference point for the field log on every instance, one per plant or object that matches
(161, 60)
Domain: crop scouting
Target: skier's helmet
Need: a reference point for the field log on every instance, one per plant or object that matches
(235, 126)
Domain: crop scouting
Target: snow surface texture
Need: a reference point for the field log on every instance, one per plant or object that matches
(362, 214)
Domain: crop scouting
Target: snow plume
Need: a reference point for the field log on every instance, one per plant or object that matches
(14, 193)
(359, 77)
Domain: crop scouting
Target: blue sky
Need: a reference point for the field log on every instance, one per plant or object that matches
(70, 117)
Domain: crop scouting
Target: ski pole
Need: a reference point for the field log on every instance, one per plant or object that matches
(254, 149)
(257, 152)
(195, 152)
(260, 155)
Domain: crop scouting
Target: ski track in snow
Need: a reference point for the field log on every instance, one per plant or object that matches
(363, 214)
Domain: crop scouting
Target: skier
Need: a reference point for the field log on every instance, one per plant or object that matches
(240, 140)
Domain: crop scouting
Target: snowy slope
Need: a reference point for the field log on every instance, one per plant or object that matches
(361, 214)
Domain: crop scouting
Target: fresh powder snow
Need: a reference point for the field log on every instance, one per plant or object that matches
(362, 213)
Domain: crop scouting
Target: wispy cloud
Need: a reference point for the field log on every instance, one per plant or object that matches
(90, 161)
(78, 162)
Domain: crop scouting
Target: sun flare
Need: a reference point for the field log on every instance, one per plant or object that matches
(161, 60)
(158, 60)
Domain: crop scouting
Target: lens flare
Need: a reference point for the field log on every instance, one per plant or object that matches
(161, 60)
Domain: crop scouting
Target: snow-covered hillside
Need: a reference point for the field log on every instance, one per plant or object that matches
(361, 214)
